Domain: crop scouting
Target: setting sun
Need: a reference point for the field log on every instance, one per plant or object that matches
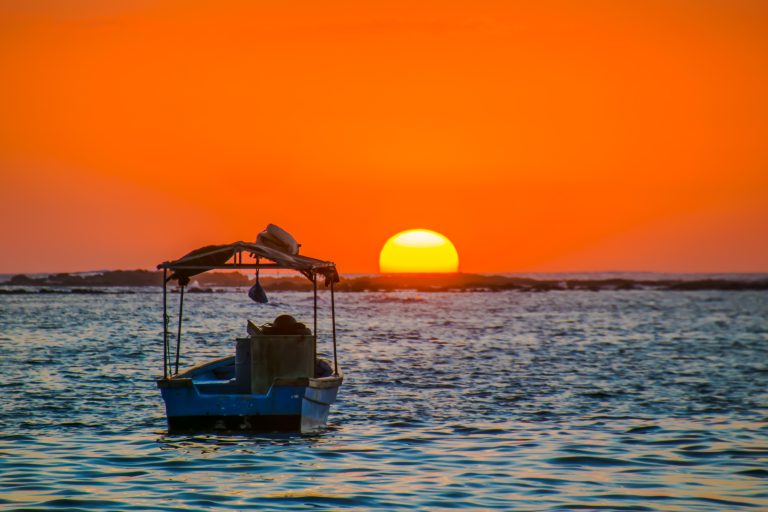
(418, 250)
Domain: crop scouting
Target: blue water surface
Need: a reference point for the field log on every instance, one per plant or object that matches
(616, 400)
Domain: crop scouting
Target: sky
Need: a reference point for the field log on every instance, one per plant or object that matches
(537, 136)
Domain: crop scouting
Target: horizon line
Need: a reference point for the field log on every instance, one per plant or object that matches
(513, 272)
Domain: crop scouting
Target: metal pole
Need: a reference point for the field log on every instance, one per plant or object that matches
(165, 324)
(178, 336)
(314, 287)
(333, 322)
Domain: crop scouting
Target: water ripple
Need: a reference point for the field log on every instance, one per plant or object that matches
(626, 400)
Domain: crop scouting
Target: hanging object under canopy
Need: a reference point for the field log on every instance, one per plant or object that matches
(257, 293)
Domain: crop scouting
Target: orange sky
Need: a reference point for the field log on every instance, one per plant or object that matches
(537, 136)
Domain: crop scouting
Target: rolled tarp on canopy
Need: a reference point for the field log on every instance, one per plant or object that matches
(212, 257)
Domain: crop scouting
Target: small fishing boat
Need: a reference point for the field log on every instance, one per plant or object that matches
(275, 380)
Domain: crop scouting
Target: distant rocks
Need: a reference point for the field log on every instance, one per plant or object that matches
(81, 291)
(96, 282)
(21, 280)
(107, 278)
(476, 282)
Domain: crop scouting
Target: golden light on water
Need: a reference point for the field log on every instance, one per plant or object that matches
(418, 250)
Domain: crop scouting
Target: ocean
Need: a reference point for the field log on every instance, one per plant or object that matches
(560, 400)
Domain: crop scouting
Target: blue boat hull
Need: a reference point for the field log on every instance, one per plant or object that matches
(204, 399)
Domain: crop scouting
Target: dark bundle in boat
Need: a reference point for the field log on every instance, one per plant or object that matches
(283, 324)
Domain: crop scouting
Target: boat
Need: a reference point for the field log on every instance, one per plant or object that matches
(275, 380)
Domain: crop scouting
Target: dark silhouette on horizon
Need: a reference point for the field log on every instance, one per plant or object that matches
(81, 283)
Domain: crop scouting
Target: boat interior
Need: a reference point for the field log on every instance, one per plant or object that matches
(283, 353)
(218, 377)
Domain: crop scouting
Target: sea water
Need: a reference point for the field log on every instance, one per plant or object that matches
(618, 400)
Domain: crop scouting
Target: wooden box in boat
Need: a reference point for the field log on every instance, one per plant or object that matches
(262, 358)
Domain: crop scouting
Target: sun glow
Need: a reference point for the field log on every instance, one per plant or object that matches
(416, 251)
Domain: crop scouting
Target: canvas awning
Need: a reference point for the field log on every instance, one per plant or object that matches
(215, 257)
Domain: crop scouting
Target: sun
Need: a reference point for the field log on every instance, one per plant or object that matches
(417, 251)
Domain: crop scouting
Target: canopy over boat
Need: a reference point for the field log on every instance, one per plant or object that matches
(215, 257)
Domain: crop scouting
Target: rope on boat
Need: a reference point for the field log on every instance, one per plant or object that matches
(314, 288)
(178, 336)
(165, 324)
(333, 322)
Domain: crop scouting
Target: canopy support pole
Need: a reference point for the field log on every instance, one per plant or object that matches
(333, 322)
(314, 289)
(165, 324)
(178, 336)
